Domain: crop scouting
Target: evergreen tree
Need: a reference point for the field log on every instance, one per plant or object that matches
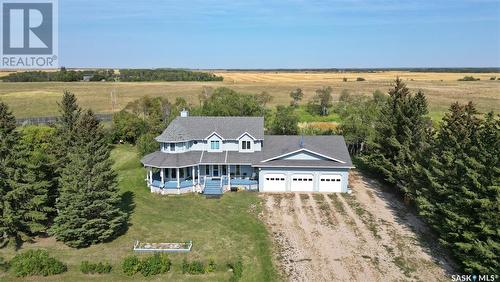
(8, 138)
(402, 133)
(459, 194)
(89, 201)
(27, 204)
(70, 112)
(63, 143)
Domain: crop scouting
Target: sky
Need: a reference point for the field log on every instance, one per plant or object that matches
(222, 34)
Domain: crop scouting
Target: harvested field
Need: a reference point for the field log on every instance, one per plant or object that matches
(441, 89)
(366, 236)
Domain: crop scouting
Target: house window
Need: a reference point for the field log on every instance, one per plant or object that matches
(224, 170)
(181, 173)
(172, 147)
(238, 170)
(215, 145)
(174, 173)
(245, 145)
(207, 170)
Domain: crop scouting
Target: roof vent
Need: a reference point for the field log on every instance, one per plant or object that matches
(301, 144)
(184, 113)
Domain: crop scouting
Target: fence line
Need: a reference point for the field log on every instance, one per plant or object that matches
(53, 119)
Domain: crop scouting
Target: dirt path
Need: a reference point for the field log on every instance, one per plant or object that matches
(366, 236)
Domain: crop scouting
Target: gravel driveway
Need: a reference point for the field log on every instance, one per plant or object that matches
(366, 236)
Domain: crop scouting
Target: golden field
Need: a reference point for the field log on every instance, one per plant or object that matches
(441, 89)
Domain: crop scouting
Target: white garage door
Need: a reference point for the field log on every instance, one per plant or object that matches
(330, 183)
(302, 183)
(274, 182)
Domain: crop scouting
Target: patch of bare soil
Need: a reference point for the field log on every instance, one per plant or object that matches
(366, 236)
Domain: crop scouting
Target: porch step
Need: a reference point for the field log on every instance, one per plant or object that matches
(212, 188)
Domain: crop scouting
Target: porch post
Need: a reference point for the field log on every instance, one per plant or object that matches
(198, 174)
(150, 175)
(162, 175)
(178, 180)
(229, 176)
(193, 175)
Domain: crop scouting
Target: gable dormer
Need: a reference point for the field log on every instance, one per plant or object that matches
(214, 142)
(246, 143)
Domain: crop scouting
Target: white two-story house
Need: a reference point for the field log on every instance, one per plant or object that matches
(214, 154)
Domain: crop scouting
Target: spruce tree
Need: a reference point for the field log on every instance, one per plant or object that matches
(88, 206)
(8, 138)
(459, 193)
(402, 133)
(65, 137)
(66, 123)
(27, 205)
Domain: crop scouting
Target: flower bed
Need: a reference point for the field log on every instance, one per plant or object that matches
(162, 247)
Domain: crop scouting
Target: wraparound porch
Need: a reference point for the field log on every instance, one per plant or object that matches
(203, 178)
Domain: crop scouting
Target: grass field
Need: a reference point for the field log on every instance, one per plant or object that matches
(441, 89)
(220, 229)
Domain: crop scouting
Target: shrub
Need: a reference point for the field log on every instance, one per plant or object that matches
(237, 268)
(194, 267)
(131, 265)
(360, 79)
(493, 78)
(92, 268)
(211, 267)
(468, 78)
(344, 79)
(156, 264)
(36, 262)
(4, 265)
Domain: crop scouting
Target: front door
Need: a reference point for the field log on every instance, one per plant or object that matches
(215, 171)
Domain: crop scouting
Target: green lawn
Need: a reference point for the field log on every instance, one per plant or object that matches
(220, 229)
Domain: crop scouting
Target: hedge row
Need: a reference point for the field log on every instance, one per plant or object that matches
(38, 262)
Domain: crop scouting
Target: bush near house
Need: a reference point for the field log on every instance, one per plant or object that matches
(88, 267)
(131, 265)
(198, 267)
(36, 262)
(156, 264)
(152, 265)
(237, 268)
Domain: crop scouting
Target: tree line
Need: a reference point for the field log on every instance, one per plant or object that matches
(62, 75)
(166, 75)
(125, 75)
(451, 173)
(58, 180)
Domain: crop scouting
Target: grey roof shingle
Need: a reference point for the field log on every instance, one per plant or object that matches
(274, 145)
(332, 146)
(199, 128)
(159, 159)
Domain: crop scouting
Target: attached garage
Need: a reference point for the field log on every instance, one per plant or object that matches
(304, 164)
(274, 182)
(302, 183)
(330, 183)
